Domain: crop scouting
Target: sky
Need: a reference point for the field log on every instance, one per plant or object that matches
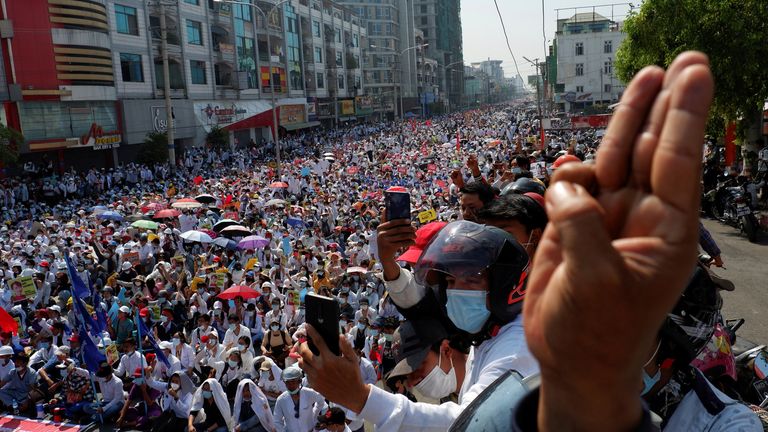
(484, 38)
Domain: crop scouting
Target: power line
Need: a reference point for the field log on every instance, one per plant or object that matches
(504, 28)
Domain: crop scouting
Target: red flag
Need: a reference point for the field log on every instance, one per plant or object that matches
(730, 147)
(428, 123)
(458, 141)
(197, 180)
(7, 323)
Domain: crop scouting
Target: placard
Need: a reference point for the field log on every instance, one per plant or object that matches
(22, 288)
(132, 257)
(427, 216)
(111, 353)
(539, 169)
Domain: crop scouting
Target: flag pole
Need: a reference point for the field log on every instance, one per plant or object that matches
(141, 353)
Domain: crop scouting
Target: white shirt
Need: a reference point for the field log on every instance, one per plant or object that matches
(111, 391)
(129, 363)
(311, 403)
(230, 338)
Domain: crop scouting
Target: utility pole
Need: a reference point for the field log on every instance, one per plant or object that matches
(275, 133)
(167, 91)
(535, 63)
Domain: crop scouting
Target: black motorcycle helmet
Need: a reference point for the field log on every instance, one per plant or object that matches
(464, 248)
(524, 185)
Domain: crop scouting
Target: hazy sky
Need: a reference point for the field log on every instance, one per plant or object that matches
(484, 38)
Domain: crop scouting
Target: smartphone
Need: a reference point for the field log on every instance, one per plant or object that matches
(323, 314)
(398, 205)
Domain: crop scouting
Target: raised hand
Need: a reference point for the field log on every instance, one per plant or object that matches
(618, 251)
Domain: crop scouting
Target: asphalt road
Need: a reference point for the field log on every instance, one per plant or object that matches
(746, 265)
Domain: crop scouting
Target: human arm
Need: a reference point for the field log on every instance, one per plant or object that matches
(632, 220)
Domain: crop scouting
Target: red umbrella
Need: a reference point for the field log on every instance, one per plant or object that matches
(397, 189)
(7, 323)
(167, 213)
(243, 291)
(279, 185)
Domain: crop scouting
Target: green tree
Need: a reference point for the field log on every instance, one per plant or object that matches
(733, 33)
(217, 138)
(154, 149)
(9, 144)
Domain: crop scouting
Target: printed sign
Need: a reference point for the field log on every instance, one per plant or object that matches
(22, 288)
(111, 353)
(539, 169)
(427, 216)
(132, 257)
(217, 280)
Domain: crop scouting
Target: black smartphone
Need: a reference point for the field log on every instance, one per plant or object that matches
(323, 314)
(398, 205)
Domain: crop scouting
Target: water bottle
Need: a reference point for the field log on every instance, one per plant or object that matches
(15, 407)
(40, 411)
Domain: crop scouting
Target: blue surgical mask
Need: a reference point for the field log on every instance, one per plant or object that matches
(467, 309)
(43, 345)
(207, 394)
(650, 381)
(373, 332)
(138, 381)
(361, 326)
(232, 363)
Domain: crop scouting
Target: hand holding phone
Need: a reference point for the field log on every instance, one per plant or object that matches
(398, 205)
(322, 313)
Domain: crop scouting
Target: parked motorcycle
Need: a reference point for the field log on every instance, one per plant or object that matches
(730, 203)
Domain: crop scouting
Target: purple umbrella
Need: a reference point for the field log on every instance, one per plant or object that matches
(253, 242)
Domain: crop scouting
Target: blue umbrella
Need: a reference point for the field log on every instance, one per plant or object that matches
(225, 243)
(110, 215)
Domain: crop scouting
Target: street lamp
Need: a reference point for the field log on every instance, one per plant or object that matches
(401, 68)
(446, 68)
(275, 134)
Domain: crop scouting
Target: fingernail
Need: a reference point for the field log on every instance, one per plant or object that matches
(560, 191)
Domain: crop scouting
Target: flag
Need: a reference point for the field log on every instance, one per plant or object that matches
(143, 330)
(79, 289)
(101, 317)
(458, 141)
(90, 353)
(86, 320)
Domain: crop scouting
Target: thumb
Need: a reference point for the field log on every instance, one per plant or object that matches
(346, 348)
(581, 227)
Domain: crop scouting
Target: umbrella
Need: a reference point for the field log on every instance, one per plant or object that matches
(110, 215)
(253, 242)
(205, 199)
(153, 206)
(275, 202)
(99, 209)
(210, 233)
(243, 291)
(357, 270)
(328, 154)
(330, 158)
(279, 185)
(167, 213)
(186, 203)
(235, 231)
(145, 224)
(220, 225)
(225, 243)
(196, 236)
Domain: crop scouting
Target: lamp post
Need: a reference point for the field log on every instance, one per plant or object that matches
(401, 68)
(446, 68)
(535, 63)
(275, 134)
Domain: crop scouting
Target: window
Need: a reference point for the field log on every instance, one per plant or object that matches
(608, 68)
(194, 33)
(126, 20)
(579, 69)
(606, 88)
(222, 74)
(130, 66)
(341, 80)
(192, 2)
(608, 47)
(579, 89)
(355, 41)
(579, 48)
(318, 55)
(320, 80)
(424, 20)
(423, 9)
(339, 61)
(337, 35)
(316, 29)
(197, 70)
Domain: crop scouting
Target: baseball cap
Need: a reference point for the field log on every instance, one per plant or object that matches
(412, 342)
(423, 236)
(126, 265)
(125, 309)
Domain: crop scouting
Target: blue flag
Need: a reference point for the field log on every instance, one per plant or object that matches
(85, 319)
(91, 355)
(79, 289)
(101, 316)
(144, 331)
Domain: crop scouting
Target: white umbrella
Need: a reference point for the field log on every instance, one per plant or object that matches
(275, 202)
(235, 231)
(197, 236)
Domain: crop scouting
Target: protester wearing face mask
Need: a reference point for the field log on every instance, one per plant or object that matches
(234, 331)
(17, 386)
(211, 351)
(176, 402)
(45, 352)
(276, 344)
(140, 407)
(271, 382)
(75, 393)
(184, 352)
(295, 409)
(130, 360)
(6, 365)
(276, 313)
(251, 412)
(112, 396)
(230, 371)
(123, 327)
(210, 410)
(203, 329)
(476, 271)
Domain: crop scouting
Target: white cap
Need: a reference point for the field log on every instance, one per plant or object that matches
(165, 345)
(126, 265)
(6, 350)
(125, 309)
(56, 308)
(268, 285)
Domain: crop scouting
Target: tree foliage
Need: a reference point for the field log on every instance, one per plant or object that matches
(733, 33)
(218, 138)
(9, 144)
(154, 149)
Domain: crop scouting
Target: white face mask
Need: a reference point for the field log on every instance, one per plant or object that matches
(174, 386)
(438, 384)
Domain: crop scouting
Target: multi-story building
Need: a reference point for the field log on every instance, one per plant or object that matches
(440, 22)
(85, 77)
(586, 45)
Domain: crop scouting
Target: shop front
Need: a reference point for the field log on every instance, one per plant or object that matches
(245, 120)
(143, 117)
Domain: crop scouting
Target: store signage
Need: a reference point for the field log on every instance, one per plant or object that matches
(99, 139)
(218, 114)
(160, 119)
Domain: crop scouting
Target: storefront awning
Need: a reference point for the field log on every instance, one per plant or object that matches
(260, 120)
(297, 126)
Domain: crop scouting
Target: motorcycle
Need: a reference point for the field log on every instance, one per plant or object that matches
(731, 203)
(752, 370)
